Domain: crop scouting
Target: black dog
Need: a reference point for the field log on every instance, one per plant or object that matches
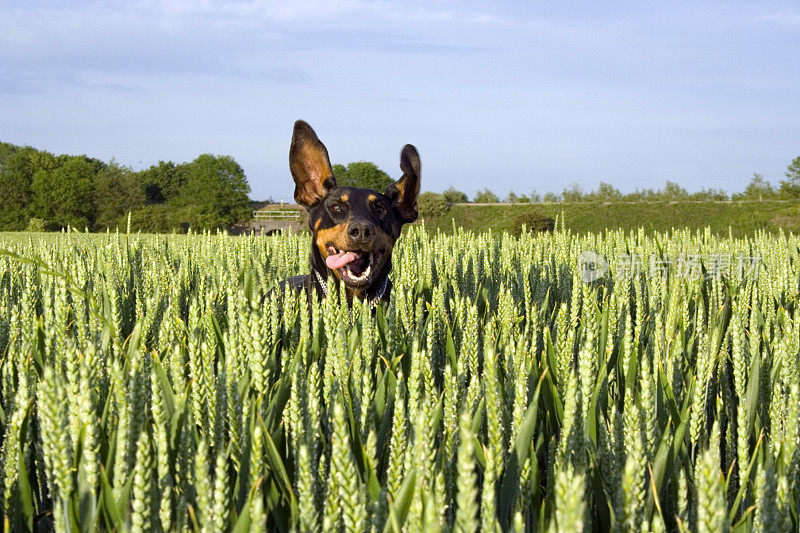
(353, 229)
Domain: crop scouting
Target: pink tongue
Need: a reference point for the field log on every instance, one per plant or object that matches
(339, 260)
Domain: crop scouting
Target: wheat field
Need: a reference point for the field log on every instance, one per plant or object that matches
(553, 382)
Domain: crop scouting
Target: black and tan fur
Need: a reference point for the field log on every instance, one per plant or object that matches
(364, 221)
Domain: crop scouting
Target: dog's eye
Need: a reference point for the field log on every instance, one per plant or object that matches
(379, 210)
(337, 208)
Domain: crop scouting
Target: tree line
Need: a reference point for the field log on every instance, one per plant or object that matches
(42, 191)
(758, 189)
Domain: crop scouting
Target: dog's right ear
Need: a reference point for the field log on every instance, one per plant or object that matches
(310, 166)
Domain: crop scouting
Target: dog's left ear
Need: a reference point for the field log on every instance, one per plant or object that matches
(310, 166)
(404, 191)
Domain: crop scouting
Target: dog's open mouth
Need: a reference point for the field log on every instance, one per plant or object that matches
(355, 267)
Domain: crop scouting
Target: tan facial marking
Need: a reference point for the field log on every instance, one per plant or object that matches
(372, 197)
(336, 236)
(317, 223)
(344, 198)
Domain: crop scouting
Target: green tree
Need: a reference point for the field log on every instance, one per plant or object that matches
(788, 190)
(550, 197)
(674, 192)
(573, 193)
(63, 196)
(431, 204)
(790, 187)
(607, 193)
(163, 182)
(340, 171)
(61, 190)
(758, 189)
(452, 195)
(42, 160)
(16, 179)
(710, 195)
(486, 197)
(793, 171)
(362, 174)
(6, 149)
(514, 198)
(117, 191)
(217, 187)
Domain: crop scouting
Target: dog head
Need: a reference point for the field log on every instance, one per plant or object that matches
(353, 229)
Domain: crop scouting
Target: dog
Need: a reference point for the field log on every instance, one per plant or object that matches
(353, 229)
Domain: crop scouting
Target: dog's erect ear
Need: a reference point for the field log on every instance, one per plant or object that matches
(404, 191)
(310, 166)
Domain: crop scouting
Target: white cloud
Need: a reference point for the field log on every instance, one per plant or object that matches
(274, 10)
(419, 11)
(785, 18)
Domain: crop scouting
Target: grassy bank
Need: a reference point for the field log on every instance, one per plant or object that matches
(742, 217)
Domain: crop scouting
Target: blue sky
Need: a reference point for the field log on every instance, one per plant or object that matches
(505, 95)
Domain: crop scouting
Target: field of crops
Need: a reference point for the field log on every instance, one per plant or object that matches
(617, 381)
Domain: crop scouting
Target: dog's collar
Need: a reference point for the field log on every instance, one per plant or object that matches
(373, 302)
(321, 283)
(379, 295)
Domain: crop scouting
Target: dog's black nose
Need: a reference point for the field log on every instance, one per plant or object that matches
(360, 231)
